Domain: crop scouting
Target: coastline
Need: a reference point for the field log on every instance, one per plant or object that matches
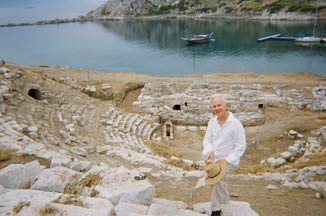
(218, 77)
(289, 16)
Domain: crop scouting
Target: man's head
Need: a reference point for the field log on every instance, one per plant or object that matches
(219, 105)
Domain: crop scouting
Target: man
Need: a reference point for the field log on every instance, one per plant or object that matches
(225, 142)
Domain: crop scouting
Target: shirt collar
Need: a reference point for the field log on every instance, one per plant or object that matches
(230, 118)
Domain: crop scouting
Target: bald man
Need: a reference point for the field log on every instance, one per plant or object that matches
(225, 141)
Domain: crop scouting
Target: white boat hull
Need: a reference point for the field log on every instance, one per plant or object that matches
(309, 39)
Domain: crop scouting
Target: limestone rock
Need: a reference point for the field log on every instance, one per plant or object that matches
(141, 192)
(272, 187)
(59, 161)
(4, 70)
(79, 151)
(16, 175)
(80, 166)
(40, 200)
(321, 188)
(166, 210)
(234, 208)
(105, 86)
(275, 162)
(286, 155)
(55, 179)
(2, 189)
(175, 204)
(12, 197)
(323, 133)
(125, 209)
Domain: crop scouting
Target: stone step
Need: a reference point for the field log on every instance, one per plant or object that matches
(145, 131)
(112, 117)
(123, 122)
(131, 122)
(141, 128)
(135, 126)
(117, 120)
(152, 130)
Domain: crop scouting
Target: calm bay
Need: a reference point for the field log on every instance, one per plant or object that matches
(154, 46)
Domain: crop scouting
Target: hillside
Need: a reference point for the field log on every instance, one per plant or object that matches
(260, 9)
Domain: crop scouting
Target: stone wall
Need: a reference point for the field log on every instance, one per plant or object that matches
(192, 106)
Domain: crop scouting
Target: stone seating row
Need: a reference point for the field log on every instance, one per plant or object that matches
(114, 137)
(129, 123)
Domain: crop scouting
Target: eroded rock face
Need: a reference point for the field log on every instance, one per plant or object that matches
(124, 8)
(119, 9)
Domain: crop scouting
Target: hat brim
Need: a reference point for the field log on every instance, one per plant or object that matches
(219, 177)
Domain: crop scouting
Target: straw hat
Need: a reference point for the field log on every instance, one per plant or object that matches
(215, 172)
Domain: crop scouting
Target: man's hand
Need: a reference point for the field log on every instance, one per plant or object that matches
(209, 157)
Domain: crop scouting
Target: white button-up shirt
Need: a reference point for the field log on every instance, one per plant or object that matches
(227, 142)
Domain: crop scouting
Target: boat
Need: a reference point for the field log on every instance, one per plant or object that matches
(301, 38)
(276, 37)
(311, 38)
(200, 38)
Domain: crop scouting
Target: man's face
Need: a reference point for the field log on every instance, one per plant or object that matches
(219, 107)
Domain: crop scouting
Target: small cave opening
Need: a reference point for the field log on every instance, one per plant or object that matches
(261, 106)
(186, 103)
(177, 107)
(35, 93)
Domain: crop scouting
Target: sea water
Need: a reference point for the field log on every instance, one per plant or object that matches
(13, 11)
(154, 46)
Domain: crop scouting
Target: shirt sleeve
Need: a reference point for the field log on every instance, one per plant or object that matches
(207, 143)
(240, 145)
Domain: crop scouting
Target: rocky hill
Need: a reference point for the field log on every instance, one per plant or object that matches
(260, 9)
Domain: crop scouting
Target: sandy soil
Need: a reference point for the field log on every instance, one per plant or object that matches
(263, 141)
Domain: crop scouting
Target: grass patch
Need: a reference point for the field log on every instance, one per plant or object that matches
(69, 200)
(5, 155)
(47, 210)
(8, 157)
(91, 180)
(19, 206)
(162, 149)
(317, 159)
(88, 181)
(182, 164)
(26, 185)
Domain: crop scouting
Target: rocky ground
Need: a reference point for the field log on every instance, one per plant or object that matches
(48, 113)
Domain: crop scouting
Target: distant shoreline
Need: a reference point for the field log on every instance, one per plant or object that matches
(291, 17)
(221, 77)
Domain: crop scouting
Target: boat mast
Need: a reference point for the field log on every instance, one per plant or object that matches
(316, 19)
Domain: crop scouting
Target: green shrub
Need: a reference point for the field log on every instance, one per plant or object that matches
(221, 4)
(165, 9)
(275, 7)
(228, 9)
